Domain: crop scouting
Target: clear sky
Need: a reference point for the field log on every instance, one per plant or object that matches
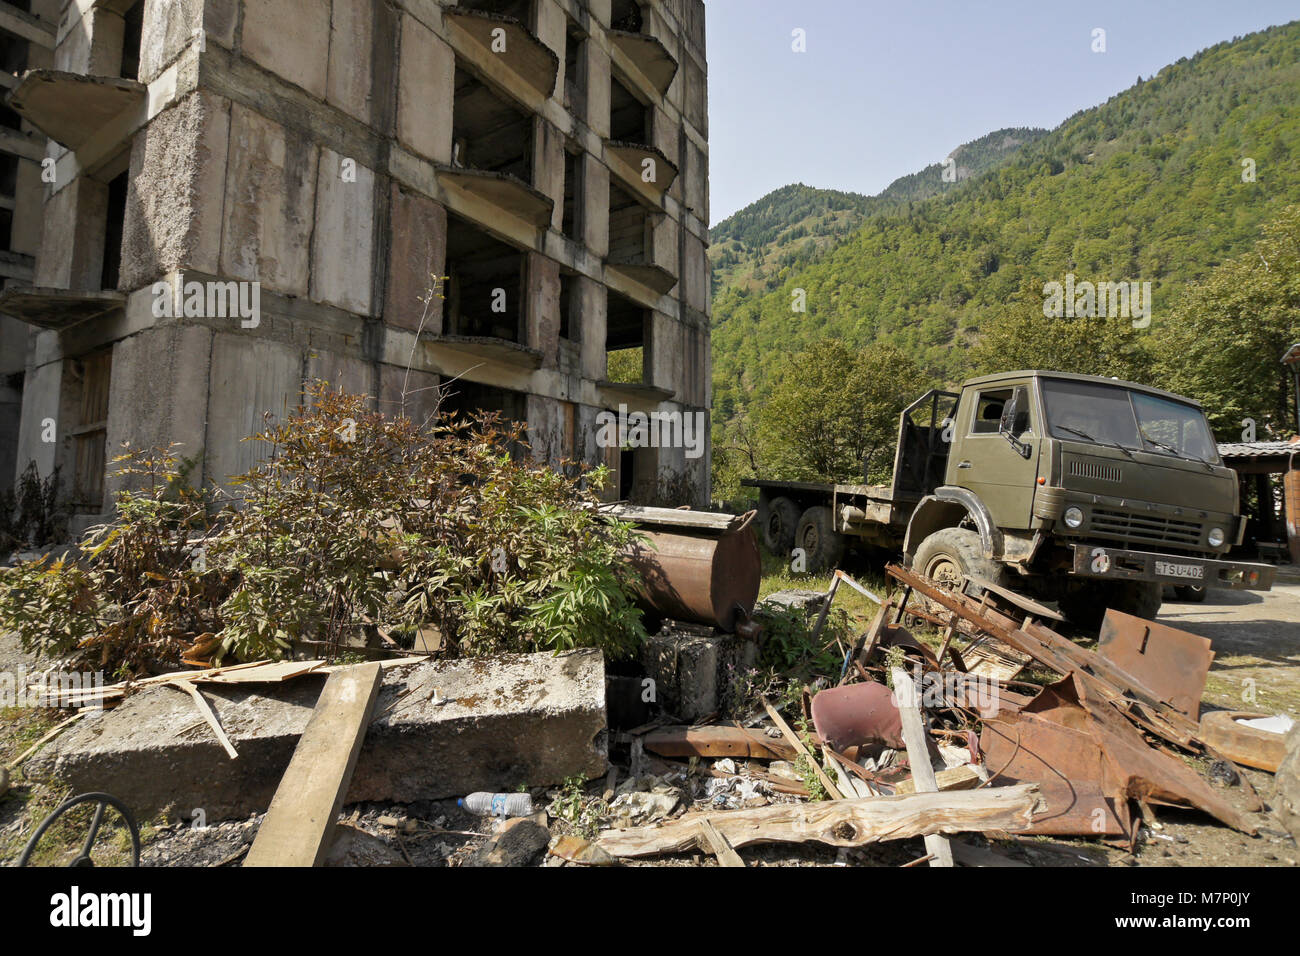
(885, 89)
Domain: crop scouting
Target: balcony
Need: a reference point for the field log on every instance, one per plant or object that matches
(58, 308)
(632, 161)
(479, 347)
(71, 108)
(506, 41)
(649, 56)
(505, 191)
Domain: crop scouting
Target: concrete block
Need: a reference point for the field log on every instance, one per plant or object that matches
(514, 720)
(593, 310)
(598, 90)
(72, 239)
(174, 199)
(343, 240)
(694, 668)
(421, 393)
(595, 208)
(543, 309)
(249, 376)
(352, 375)
(168, 29)
(29, 198)
(42, 386)
(152, 397)
(290, 38)
(665, 351)
(425, 91)
(347, 84)
(695, 273)
(417, 253)
(270, 202)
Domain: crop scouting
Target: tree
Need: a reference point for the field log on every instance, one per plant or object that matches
(833, 408)
(1224, 343)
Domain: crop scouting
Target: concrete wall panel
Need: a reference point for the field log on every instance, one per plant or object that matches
(290, 38)
(249, 376)
(418, 250)
(343, 238)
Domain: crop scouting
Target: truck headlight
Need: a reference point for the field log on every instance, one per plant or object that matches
(1216, 538)
(1073, 517)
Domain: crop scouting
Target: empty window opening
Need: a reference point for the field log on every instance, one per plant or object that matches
(13, 53)
(575, 69)
(8, 188)
(626, 325)
(521, 10)
(571, 220)
(113, 232)
(626, 15)
(467, 399)
(133, 31)
(570, 314)
(488, 132)
(629, 228)
(485, 285)
(629, 118)
(91, 376)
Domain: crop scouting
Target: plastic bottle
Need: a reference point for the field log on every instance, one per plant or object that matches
(498, 804)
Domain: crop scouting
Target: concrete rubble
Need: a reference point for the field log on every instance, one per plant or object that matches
(441, 729)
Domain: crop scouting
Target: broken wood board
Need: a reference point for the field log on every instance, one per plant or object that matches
(209, 715)
(847, 823)
(953, 778)
(793, 740)
(717, 741)
(716, 842)
(300, 822)
(908, 700)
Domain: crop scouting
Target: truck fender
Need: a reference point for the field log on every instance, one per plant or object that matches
(945, 509)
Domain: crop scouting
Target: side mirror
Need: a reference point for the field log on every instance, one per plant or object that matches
(1015, 420)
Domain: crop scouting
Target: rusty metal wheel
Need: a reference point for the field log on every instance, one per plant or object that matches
(102, 802)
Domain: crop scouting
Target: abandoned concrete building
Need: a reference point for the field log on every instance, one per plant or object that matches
(238, 196)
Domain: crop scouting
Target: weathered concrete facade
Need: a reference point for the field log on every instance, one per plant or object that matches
(541, 165)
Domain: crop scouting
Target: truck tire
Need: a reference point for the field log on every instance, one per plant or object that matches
(822, 545)
(950, 554)
(780, 521)
(1189, 594)
(1086, 604)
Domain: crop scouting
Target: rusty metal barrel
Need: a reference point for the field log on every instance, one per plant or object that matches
(696, 566)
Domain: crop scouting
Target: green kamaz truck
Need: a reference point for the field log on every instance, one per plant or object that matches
(1087, 491)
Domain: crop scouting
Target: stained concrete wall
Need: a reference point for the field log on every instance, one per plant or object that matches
(303, 145)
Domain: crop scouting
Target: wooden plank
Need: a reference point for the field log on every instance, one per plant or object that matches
(717, 741)
(848, 823)
(953, 778)
(793, 739)
(918, 755)
(298, 826)
(719, 845)
(208, 714)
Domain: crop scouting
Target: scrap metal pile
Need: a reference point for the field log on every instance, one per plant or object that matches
(1086, 754)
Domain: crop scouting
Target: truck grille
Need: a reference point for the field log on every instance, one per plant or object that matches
(1097, 470)
(1152, 528)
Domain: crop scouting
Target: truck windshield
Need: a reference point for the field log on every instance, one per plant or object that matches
(1109, 414)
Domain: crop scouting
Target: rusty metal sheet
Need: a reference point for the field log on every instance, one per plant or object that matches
(1083, 797)
(1143, 772)
(1170, 664)
(857, 714)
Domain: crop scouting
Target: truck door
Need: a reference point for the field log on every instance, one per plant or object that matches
(1003, 474)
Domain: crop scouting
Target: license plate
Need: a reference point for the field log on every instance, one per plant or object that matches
(1192, 572)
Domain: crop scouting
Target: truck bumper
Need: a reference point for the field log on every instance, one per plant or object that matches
(1094, 561)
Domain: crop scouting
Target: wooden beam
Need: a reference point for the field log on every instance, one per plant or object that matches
(719, 845)
(298, 827)
(793, 740)
(717, 741)
(918, 755)
(848, 823)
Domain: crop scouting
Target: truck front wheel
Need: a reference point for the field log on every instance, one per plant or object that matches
(822, 545)
(953, 553)
(780, 520)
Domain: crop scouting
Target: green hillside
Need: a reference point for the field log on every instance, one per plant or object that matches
(1147, 187)
(792, 225)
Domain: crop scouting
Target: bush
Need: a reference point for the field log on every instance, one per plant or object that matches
(356, 526)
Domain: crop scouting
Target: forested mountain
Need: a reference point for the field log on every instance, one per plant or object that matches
(791, 225)
(1160, 184)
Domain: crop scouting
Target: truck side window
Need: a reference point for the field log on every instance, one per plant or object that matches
(988, 411)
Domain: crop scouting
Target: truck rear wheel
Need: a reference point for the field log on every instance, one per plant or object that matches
(1086, 604)
(822, 545)
(780, 521)
(951, 554)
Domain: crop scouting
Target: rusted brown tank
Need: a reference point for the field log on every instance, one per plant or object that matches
(698, 576)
